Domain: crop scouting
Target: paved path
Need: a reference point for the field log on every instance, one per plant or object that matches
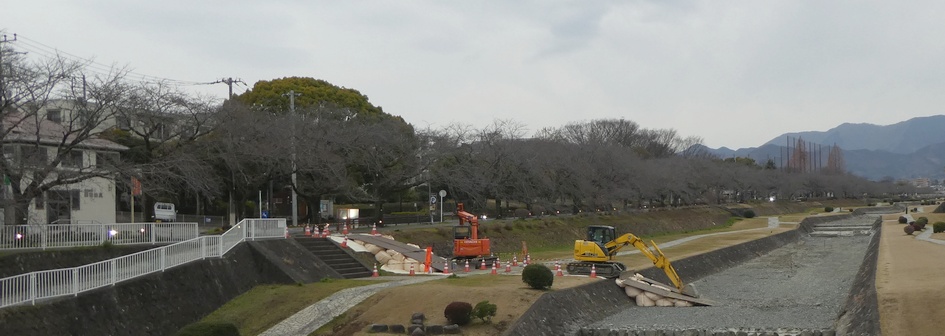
(315, 316)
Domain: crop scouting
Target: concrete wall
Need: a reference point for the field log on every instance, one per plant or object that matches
(860, 314)
(20, 262)
(162, 303)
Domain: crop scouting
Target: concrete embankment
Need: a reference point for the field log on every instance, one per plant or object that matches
(163, 302)
(572, 311)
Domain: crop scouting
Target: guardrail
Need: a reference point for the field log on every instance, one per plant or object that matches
(32, 287)
(77, 235)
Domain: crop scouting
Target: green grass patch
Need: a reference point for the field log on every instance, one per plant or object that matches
(264, 306)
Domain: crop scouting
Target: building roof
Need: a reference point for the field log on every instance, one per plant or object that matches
(22, 128)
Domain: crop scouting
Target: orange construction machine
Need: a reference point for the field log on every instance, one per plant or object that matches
(466, 241)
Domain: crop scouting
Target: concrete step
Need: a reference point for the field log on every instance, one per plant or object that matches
(841, 233)
(841, 227)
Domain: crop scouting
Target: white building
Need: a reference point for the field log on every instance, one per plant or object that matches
(33, 142)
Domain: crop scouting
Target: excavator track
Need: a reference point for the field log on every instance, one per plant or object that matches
(603, 269)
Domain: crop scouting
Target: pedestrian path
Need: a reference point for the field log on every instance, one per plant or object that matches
(315, 316)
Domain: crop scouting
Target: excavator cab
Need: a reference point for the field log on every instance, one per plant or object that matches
(462, 232)
(601, 234)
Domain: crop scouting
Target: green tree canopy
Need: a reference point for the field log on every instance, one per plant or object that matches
(313, 95)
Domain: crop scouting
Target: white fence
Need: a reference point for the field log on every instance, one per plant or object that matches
(35, 286)
(76, 235)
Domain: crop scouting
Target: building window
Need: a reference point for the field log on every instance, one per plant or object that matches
(74, 197)
(54, 116)
(105, 159)
(34, 155)
(72, 159)
(123, 123)
(40, 201)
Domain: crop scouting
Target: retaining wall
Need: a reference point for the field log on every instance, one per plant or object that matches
(860, 313)
(162, 303)
(21, 262)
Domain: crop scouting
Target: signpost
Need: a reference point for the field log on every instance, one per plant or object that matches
(442, 194)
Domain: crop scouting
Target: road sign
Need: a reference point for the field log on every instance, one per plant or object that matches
(442, 193)
(265, 214)
(432, 199)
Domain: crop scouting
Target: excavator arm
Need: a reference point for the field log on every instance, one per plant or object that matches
(659, 260)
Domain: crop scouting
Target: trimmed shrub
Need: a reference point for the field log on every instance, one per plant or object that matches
(748, 213)
(538, 276)
(209, 329)
(484, 311)
(938, 227)
(922, 220)
(908, 229)
(902, 220)
(458, 312)
(828, 209)
(521, 213)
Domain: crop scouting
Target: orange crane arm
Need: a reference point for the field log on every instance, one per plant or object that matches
(468, 217)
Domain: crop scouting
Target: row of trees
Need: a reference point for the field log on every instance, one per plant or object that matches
(186, 149)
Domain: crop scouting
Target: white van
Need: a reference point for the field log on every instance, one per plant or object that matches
(165, 212)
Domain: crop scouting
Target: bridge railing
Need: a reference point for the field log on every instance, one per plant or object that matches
(35, 286)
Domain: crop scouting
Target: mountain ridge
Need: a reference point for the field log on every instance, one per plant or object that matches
(908, 149)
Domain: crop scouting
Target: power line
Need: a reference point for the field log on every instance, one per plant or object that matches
(93, 66)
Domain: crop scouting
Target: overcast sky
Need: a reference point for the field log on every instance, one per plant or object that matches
(736, 73)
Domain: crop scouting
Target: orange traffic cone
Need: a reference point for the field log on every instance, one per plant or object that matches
(558, 266)
(344, 243)
(482, 265)
(308, 231)
(467, 266)
(374, 275)
(593, 271)
(327, 231)
(344, 229)
(528, 259)
(446, 267)
(508, 267)
(411, 270)
(373, 229)
(514, 261)
(493, 268)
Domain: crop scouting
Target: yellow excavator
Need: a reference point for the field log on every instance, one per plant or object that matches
(601, 246)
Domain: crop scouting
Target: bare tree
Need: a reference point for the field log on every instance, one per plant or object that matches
(53, 112)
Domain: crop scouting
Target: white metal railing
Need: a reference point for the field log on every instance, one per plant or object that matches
(76, 235)
(31, 287)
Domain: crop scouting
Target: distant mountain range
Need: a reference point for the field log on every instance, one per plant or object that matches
(910, 149)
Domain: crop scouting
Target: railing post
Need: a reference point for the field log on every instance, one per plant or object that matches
(246, 223)
(163, 258)
(104, 233)
(203, 249)
(75, 281)
(44, 232)
(114, 272)
(151, 231)
(33, 288)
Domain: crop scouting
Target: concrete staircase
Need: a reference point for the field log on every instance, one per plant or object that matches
(856, 226)
(336, 258)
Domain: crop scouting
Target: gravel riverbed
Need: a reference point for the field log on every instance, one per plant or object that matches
(798, 286)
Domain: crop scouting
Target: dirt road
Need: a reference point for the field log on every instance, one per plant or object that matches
(909, 281)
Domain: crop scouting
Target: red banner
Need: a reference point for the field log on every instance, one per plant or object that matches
(135, 187)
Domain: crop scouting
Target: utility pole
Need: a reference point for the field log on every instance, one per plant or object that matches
(232, 211)
(229, 82)
(295, 204)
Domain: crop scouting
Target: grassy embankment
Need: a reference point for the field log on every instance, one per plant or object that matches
(265, 306)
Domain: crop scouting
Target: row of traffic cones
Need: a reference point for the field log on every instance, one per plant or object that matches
(310, 232)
